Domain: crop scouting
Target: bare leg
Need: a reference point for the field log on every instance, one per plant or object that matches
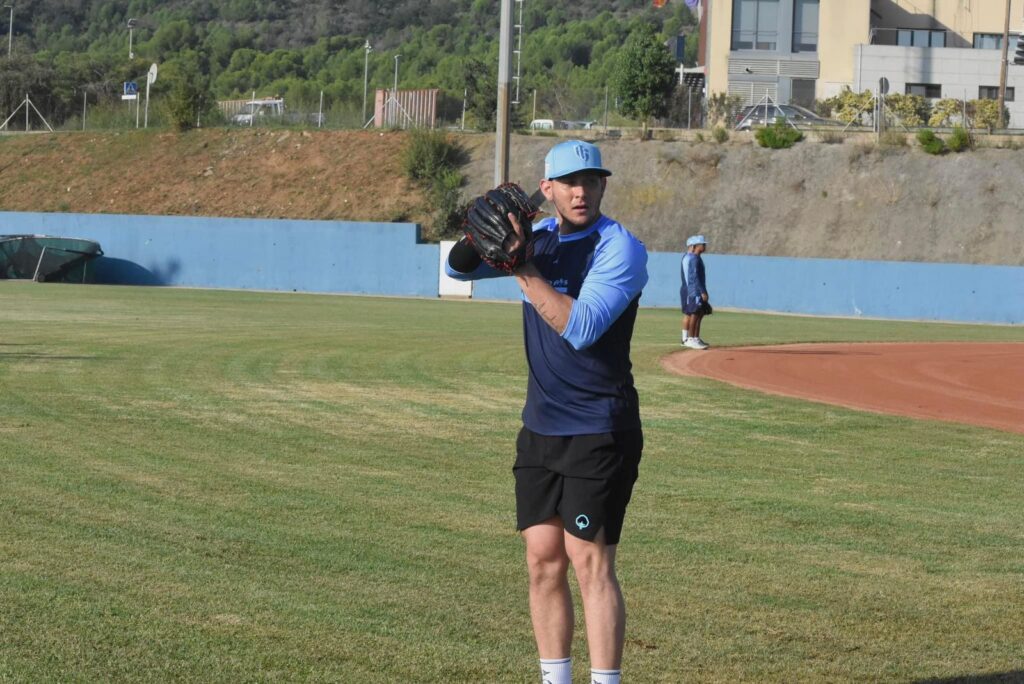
(603, 606)
(694, 325)
(550, 598)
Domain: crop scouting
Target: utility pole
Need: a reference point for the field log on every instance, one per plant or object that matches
(1002, 67)
(501, 135)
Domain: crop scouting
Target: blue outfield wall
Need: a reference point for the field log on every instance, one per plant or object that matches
(260, 254)
(387, 259)
(835, 287)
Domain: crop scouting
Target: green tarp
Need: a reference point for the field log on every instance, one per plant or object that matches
(47, 259)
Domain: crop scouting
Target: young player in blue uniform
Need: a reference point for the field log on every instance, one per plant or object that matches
(693, 292)
(578, 453)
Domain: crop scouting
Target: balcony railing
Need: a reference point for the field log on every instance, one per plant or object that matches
(755, 40)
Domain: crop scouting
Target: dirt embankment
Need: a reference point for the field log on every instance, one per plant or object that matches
(851, 201)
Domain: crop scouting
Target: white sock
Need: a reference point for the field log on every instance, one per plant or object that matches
(556, 671)
(685, 336)
(605, 676)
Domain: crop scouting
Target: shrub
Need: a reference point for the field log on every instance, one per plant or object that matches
(721, 108)
(449, 209)
(946, 112)
(910, 110)
(719, 134)
(892, 138)
(960, 139)
(985, 113)
(432, 159)
(930, 143)
(847, 106)
(428, 154)
(831, 137)
(778, 136)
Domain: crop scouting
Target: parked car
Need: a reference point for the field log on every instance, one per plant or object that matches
(256, 110)
(272, 109)
(765, 115)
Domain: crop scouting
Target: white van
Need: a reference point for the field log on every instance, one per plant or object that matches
(542, 125)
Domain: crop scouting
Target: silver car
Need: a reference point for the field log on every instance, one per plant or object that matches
(765, 115)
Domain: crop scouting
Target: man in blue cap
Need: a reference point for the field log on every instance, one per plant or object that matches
(693, 292)
(578, 452)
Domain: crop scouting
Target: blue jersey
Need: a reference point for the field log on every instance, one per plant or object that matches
(692, 276)
(581, 381)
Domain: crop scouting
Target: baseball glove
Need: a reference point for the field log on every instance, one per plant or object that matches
(705, 309)
(491, 233)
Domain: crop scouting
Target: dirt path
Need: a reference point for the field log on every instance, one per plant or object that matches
(979, 384)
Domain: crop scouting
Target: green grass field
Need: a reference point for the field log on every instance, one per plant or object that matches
(234, 487)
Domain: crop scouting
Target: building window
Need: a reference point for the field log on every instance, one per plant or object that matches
(992, 93)
(929, 90)
(992, 41)
(803, 92)
(805, 26)
(755, 24)
(920, 38)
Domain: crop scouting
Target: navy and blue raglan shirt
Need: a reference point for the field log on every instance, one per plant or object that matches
(692, 277)
(581, 381)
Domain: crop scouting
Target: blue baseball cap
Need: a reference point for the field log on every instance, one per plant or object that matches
(573, 156)
(696, 240)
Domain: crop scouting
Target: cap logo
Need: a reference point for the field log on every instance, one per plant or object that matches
(582, 152)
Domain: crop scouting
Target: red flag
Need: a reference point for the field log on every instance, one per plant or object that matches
(660, 3)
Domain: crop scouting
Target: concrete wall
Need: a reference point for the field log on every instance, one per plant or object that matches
(958, 70)
(386, 259)
(961, 19)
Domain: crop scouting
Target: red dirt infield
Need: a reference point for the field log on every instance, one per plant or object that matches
(974, 383)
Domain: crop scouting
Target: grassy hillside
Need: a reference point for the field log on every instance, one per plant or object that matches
(850, 201)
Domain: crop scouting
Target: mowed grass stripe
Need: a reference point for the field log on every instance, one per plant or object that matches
(239, 486)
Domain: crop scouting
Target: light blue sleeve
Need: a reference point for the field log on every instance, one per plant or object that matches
(617, 276)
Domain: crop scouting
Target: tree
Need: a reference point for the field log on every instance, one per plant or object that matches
(481, 92)
(644, 76)
(189, 97)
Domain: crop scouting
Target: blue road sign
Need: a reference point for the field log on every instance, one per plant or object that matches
(131, 88)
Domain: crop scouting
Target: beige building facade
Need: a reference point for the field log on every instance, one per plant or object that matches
(802, 50)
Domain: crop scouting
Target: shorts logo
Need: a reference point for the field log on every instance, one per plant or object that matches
(582, 522)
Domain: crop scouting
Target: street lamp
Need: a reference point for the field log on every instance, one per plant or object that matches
(131, 27)
(366, 71)
(10, 30)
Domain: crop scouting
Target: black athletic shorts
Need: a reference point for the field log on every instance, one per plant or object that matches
(586, 480)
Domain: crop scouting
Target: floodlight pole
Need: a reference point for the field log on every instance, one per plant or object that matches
(131, 28)
(10, 30)
(501, 136)
(366, 72)
(392, 107)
